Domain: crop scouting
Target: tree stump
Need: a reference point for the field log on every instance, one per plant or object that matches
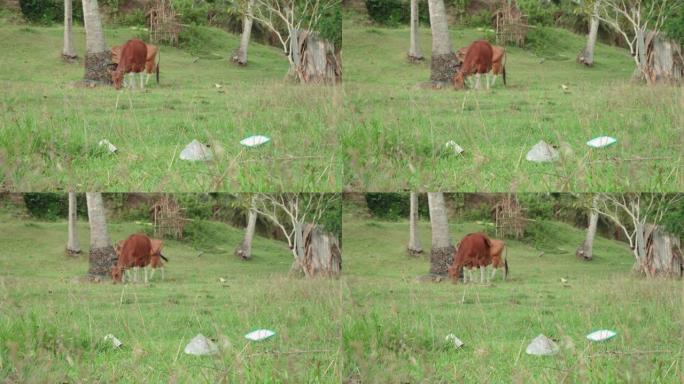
(663, 256)
(664, 60)
(316, 61)
(322, 255)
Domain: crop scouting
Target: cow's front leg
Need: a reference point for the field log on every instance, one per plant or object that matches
(482, 275)
(145, 268)
(477, 81)
(142, 84)
(493, 272)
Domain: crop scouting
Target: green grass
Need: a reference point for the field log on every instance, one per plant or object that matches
(52, 326)
(395, 327)
(49, 128)
(394, 136)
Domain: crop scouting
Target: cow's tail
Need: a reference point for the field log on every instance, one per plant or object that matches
(505, 261)
(159, 60)
(504, 73)
(162, 256)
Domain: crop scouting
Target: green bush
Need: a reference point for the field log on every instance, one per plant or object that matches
(53, 206)
(395, 12)
(395, 206)
(48, 12)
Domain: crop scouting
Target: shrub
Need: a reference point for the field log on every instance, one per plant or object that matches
(49, 11)
(53, 206)
(395, 12)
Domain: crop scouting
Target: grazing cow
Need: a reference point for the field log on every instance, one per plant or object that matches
(498, 61)
(132, 60)
(477, 61)
(151, 62)
(473, 252)
(498, 257)
(155, 259)
(135, 252)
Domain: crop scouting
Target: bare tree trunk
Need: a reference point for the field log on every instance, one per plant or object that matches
(640, 57)
(586, 250)
(98, 57)
(442, 252)
(102, 254)
(68, 53)
(444, 63)
(664, 60)
(244, 251)
(73, 247)
(586, 56)
(240, 54)
(415, 248)
(414, 54)
(322, 255)
(640, 246)
(663, 256)
(315, 60)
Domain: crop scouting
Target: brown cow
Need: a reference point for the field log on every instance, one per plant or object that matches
(155, 260)
(132, 60)
(135, 252)
(478, 60)
(473, 252)
(151, 62)
(498, 61)
(498, 257)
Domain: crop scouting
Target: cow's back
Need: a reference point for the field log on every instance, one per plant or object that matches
(479, 57)
(473, 250)
(133, 56)
(136, 250)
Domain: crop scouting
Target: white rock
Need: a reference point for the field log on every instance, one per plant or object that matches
(200, 346)
(455, 147)
(542, 152)
(452, 338)
(542, 346)
(196, 151)
(601, 335)
(259, 334)
(253, 141)
(107, 145)
(601, 141)
(115, 342)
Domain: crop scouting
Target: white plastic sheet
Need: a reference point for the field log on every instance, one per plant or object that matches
(254, 141)
(259, 334)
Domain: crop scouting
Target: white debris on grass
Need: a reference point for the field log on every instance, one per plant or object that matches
(542, 152)
(601, 141)
(259, 334)
(196, 151)
(107, 145)
(455, 340)
(200, 346)
(115, 342)
(453, 146)
(254, 141)
(542, 346)
(601, 335)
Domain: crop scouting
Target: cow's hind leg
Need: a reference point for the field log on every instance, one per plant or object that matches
(152, 270)
(482, 275)
(493, 272)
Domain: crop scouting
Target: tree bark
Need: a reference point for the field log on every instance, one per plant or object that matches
(663, 256)
(68, 53)
(240, 54)
(73, 247)
(442, 252)
(586, 56)
(443, 64)
(586, 250)
(244, 251)
(664, 60)
(414, 54)
(415, 248)
(314, 59)
(102, 254)
(98, 57)
(321, 253)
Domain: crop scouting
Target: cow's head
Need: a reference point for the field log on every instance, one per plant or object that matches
(118, 247)
(459, 80)
(116, 273)
(117, 78)
(453, 273)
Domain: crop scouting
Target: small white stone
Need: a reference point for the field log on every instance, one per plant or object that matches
(107, 145)
(455, 147)
(542, 346)
(200, 346)
(453, 339)
(196, 151)
(115, 342)
(542, 152)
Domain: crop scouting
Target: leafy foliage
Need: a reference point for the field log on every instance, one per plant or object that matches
(53, 206)
(48, 12)
(395, 12)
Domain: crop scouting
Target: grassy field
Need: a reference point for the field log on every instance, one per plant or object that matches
(52, 326)
(397, 131)
(49, 127)
(395, 327)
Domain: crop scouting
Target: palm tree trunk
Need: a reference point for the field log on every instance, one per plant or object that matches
(240, 55)
(441, 254)
(444, 63)
(102, 254)
(98, 57)
(68, 52)
(586, 56)
(414, 54)
(244, 251)
(585, 250)
(414, 247)
(73, 247)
